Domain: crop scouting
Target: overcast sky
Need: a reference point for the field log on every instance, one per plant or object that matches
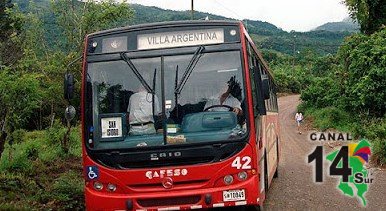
(298, 15)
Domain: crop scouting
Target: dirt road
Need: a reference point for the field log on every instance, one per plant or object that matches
(294, 189)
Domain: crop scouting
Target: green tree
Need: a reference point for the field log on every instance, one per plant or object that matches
(76, 19)
(20, 96)
(364, 73)
(10, 27)
(370, 14)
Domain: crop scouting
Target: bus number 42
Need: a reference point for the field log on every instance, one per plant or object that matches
(242, 163)
(339, 166)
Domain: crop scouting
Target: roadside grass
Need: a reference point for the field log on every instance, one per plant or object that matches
(328, 118)
(36, 174)
(359, 126)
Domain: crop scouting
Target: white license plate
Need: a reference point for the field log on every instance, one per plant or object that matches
(233, 195)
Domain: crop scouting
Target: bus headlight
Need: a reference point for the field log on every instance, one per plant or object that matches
(111, 187)
(228, 179)
(98, 186)
(242, 176)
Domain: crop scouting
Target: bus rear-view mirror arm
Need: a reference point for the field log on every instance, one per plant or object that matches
(69, 81)
(68, 86)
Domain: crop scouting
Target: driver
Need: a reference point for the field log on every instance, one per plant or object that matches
(226, 97)
(141, 112)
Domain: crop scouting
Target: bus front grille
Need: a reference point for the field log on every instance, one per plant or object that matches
(169, 201)
(178, 185)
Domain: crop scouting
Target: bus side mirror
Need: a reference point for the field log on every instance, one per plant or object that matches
(70, 113)
(265, 87)
(68, 86)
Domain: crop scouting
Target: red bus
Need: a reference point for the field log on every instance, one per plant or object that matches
(177, 115)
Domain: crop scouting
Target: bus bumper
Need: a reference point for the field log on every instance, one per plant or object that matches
(173, 200)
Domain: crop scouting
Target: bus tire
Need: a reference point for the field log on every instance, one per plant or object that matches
(255, 208)
(265, 174)
(277, 166)
(276, 172)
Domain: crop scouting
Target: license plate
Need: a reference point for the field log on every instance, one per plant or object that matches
(233, 195)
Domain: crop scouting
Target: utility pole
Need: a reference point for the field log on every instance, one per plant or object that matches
(192, 10)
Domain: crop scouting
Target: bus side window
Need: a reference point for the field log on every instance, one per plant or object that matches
(273, 96)
(264, 75)
(261, 107)
(252, 73)
(270, 102)
(258, 107)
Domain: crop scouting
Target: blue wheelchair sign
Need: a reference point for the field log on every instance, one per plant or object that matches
(92, 172)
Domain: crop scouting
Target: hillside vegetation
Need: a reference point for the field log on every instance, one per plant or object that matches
(351, 95)
(267, 36)
(348, 24)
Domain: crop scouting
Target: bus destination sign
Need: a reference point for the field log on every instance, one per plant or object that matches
(180, 38)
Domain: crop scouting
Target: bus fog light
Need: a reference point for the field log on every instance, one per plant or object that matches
(98, 186)
(228, 179)
(242, 175)
(111, 187)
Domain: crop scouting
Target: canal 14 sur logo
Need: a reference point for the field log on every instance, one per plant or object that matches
(348, 163)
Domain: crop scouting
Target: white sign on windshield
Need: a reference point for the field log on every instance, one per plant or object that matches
(111, 127)
(180, 38)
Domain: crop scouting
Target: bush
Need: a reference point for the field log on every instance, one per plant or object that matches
(40, 146)
(364, 73)
(76, 142)
(15, 187)
(330, 117)
(375, 131)
(55, 133)
(39, 175)
(68, 191)
(15, 159)
(289, 80)
(379, 151)
(321, 93)
(360, 126)
(18, 135)
(10, 206)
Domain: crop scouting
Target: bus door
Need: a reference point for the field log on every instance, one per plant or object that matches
(259, 111)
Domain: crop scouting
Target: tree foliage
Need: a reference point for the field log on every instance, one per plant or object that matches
(353, 90)
(364, 73)
(358, 83)
(20, 96)
(31, 88)
(76, 19)
(370, 14)
(10, 28)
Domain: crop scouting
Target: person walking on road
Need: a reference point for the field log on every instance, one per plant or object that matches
(299, 119)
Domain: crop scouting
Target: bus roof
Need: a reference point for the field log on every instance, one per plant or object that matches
(166, 25)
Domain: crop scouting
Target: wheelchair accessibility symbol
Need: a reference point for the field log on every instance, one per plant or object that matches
(92, 172)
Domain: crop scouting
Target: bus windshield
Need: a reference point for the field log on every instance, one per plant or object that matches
(198, 98)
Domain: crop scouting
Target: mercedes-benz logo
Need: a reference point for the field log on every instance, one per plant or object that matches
(167, 182)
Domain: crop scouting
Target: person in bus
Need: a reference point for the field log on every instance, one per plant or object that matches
(229, 95)
(299, 119)
(140, 112)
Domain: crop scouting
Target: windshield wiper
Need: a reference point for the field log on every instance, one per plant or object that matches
(139, 76)
(189, 69)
